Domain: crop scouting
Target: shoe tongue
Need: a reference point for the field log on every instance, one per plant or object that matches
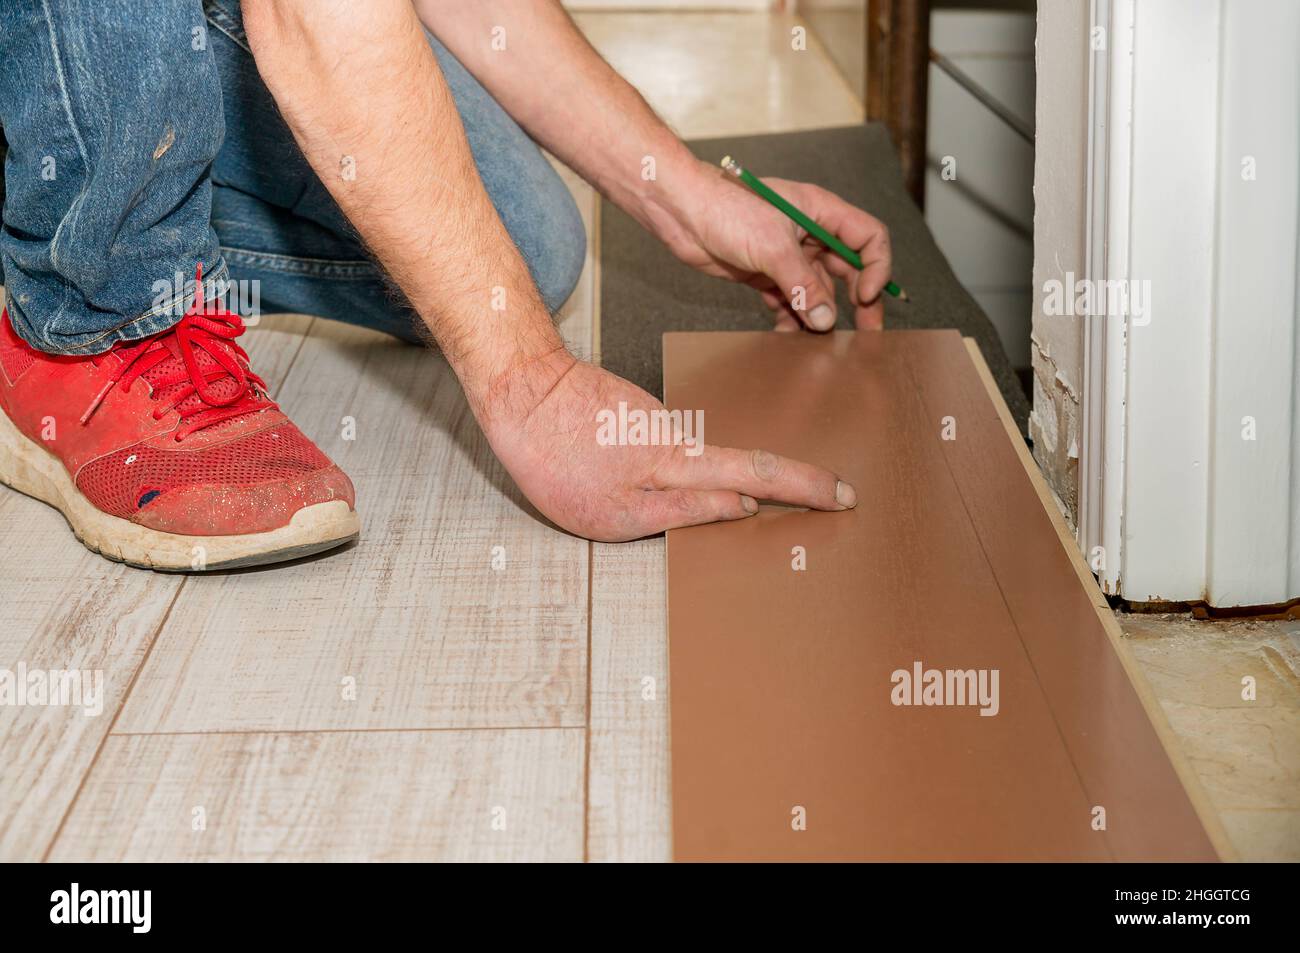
(169, 377)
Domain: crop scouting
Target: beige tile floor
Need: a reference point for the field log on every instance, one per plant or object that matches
(723, 74)
(1245, 751)
(405, 700)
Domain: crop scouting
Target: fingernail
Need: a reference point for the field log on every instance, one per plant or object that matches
(822, 317)
(749, 503)
(845, 495)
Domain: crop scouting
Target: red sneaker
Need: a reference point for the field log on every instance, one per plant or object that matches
(167, 453)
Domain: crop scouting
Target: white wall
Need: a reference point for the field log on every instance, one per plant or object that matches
(1060, 232)
(983, 218)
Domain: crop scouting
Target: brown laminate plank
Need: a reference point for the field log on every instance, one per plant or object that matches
(782, 679)
(1113, 738)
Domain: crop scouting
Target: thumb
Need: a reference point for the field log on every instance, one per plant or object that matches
(809, 296)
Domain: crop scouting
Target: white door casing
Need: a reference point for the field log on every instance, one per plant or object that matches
(1190, 438)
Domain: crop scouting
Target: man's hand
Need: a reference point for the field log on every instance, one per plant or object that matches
(542, 423)
(572, 102)
(432, 226)
(717, 225)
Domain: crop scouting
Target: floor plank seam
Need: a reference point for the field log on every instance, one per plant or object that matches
(126, 697)
(594, 337)
(1015, 624)
(1194, 788)
(341, 731)
(586, 755)
(302, 342)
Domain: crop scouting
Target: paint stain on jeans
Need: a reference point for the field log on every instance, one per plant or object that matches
(165, 143)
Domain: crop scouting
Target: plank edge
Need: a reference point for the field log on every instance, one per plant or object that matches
(1155, 711)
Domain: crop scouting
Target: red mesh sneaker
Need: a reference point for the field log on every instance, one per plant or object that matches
(167, 453)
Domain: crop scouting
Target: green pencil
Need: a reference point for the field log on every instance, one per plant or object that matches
(808, 225)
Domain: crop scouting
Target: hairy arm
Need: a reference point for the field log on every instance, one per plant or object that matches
(362, 93)
(537, 64)
(542, 70)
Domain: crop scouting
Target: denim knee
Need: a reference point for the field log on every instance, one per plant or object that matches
(559, 257)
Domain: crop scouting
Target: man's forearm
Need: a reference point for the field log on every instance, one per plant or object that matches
(537, 64)
(363, 95)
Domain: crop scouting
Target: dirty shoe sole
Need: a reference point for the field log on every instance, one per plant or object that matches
(31, 469)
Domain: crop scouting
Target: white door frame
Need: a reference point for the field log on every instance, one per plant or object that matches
(1101, 456)
(1190, 448)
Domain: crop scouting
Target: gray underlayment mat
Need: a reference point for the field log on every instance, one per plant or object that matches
(645, 291)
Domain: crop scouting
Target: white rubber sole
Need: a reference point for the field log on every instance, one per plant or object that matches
(31, 469)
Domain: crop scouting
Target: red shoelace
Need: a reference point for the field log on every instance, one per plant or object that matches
(177, 369)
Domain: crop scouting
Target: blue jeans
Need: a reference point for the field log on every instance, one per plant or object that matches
(142, 141)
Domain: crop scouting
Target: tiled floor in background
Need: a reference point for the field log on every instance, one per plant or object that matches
(723, 74)
(1245, 751)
